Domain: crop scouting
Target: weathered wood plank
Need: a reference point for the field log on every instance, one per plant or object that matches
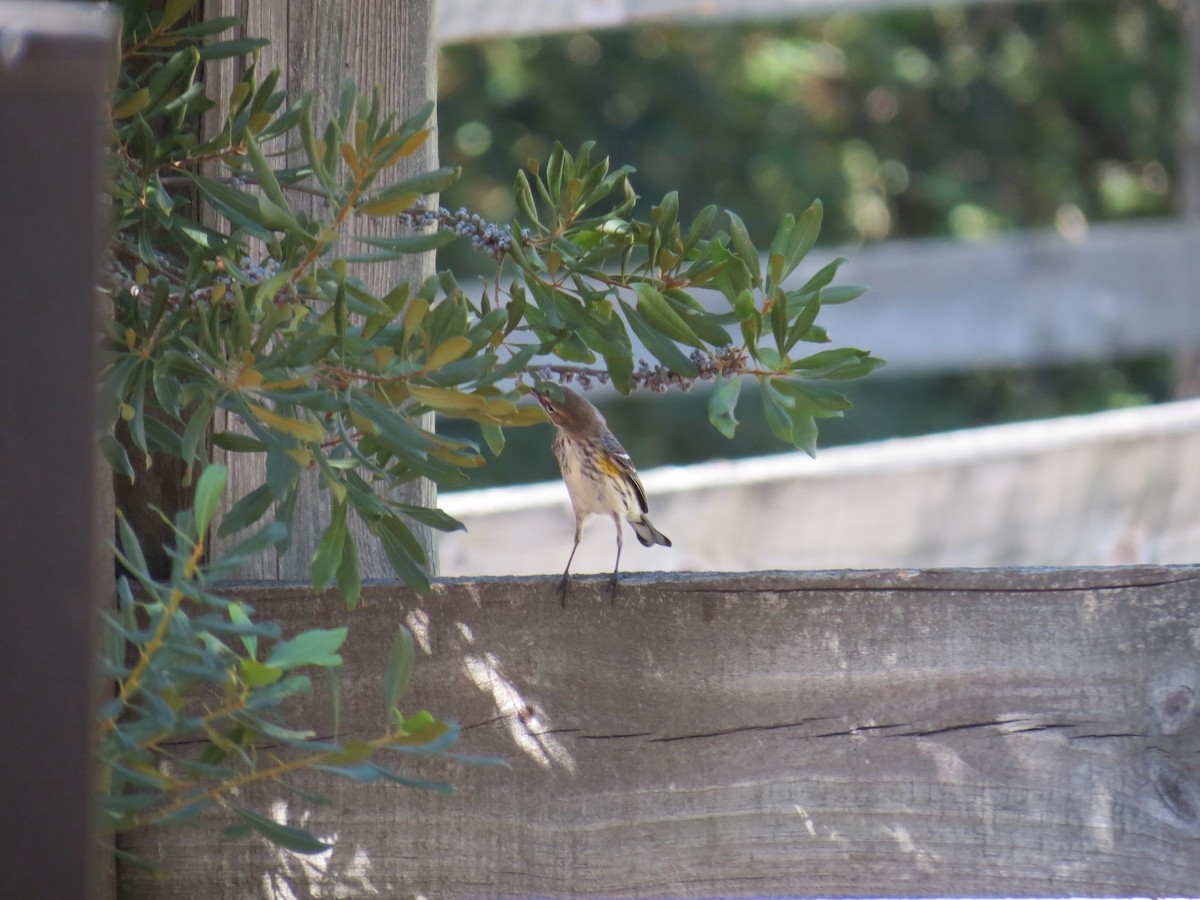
(317, 45)
(1033, 298)
(859, 733)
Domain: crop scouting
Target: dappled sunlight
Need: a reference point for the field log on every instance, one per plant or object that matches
(314, 875)
(529, 731)
(923, 858)
(417, 621)
(809, 825)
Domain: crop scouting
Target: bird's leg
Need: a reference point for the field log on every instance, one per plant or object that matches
(612, 582)
(566, 578)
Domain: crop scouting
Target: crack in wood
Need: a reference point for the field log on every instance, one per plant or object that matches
(908, 588)
(1006, 724)
(739, 730)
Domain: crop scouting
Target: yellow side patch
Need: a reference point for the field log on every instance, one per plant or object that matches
(608, 467)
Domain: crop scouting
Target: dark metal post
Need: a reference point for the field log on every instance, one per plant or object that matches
(56, 61)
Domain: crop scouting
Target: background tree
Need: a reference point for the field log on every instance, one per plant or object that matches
(967, 121)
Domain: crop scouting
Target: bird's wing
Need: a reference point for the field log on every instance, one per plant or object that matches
(620, 457)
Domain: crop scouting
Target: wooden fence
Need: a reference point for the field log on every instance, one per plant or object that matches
(901, 732)
(986, 733)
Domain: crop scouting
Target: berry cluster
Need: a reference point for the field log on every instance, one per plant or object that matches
(485, 236)
(657, 379)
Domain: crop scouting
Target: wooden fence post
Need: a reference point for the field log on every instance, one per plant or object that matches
(55, 68)
(317, 45)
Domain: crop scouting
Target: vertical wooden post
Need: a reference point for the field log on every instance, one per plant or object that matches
(317, 45)
(55, 67)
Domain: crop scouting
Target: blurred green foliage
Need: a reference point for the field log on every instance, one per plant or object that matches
(919, 122)
(964, 121)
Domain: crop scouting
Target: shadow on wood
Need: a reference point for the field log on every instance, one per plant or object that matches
(858, 733)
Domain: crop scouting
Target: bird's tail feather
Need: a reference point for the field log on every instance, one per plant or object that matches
(647, 533)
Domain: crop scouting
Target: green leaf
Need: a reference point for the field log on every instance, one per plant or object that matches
(722, 402)
(196, 428)
(823, 277)
(663, 350)
(238, 443)
(401, 245)
(699, 228)
(209, 488)
(449, 350)
(116, 456)
(780, 245)
(524, 196)
(618, 359)
(246, 511)
(493, 436)
(804, 433)
(779, 321)
(420, 184)
(434, 518)
(256, 674)
(744, 247)
(348, 575)
(315, 647)
(791, 421)
(237, 615)
(256, 214)
(398, 671)
(403, 552)
(662, 316)
(803, 237)
(328, 555)
(232, 48)
(295, 839)
(274, 534)
(265, 175)
(666, 213)
(816, 402)
(803, 322)
(842, 293)
(775, 409)
(836, 364)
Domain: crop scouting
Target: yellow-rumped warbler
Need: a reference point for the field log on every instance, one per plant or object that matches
(599, 474)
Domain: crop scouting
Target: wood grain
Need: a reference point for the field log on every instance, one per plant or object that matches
(317, 45)
(825, 734)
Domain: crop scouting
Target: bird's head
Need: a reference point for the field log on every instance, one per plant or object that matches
(572, 412)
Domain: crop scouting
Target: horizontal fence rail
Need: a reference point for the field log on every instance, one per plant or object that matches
(460, 21)
(829, 734)
(1110, 488)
